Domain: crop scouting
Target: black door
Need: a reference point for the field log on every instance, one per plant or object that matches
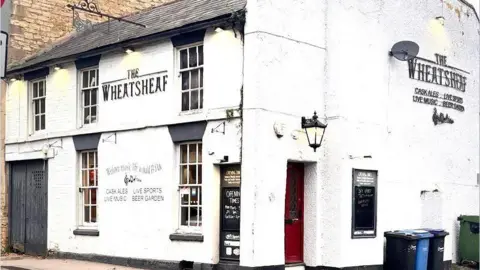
(29, 207)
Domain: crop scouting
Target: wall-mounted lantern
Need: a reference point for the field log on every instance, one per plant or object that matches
(315, 131)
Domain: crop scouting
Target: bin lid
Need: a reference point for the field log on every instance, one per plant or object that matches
(471, 219)
(436, 232)
(421, 234)
(408, 234)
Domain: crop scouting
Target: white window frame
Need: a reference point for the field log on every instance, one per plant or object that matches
(83, 188)
(198, 163)
(201, 86)
(81, 92)
(32, 100)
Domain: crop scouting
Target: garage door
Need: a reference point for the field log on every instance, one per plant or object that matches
(28, 201)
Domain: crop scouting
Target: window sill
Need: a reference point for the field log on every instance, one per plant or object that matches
(187, 237)
(86, 232)
(191, 112)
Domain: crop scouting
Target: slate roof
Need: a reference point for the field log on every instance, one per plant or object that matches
(159, 19)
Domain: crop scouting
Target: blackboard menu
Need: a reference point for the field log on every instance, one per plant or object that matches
(230, 213)
(364, 205)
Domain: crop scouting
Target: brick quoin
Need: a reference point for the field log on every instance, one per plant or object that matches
(33, 26)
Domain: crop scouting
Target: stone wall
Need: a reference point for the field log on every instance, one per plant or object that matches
(35, 24)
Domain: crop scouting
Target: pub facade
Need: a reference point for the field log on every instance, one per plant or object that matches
(181, 144)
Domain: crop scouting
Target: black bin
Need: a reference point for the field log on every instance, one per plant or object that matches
(435, 252)
(401, 251)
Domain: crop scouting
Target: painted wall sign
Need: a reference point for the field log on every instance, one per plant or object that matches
(440, 118)
(364, 204)
(136, 189)
(230, 213)
(435, 98)
(437, 72)
(135, 85)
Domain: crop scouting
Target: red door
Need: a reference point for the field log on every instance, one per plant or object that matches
(294, 214)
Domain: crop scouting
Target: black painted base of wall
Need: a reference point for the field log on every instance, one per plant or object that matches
(156, 264)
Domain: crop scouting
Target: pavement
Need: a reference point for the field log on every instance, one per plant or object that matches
(22, 262)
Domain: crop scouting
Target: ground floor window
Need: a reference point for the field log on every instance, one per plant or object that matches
(190, 186)
(88, 187)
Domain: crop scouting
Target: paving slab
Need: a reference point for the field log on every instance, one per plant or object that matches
(21, 262)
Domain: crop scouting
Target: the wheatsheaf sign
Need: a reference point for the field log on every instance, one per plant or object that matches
(135, 85)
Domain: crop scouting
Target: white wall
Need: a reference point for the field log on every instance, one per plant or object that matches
(134, 229)
(366, 97)
(223, 53)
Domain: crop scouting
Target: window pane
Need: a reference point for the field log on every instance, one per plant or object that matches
(199, 153)
(183, 174)
(91, 178)
(194, 102)
(199, 216)
(93, 78)
(93, 96)
(91, 159)
(184, 216)
(86, 196)
(199, 174)
(200, 195)
(194, 196)
(194, 79)
(185, 100)
(201, 77)
(86, 98)
(93, 114)
(84, 160)
(93, 196)
(84, 79)
(41, 89)
(96, 178)
(183, 153)
(94, 214)
(42, 121)
(84, 178)
(200, 55)
(86, 215)
(35, 90)
(37, 122)
(184, 199)
(36, 106)
(193, 216)
(183, 59)
(192, 174)
(192, 157)
(185, 80)
(192, 57)
(201, 98)
(86, 115)
(42, 105)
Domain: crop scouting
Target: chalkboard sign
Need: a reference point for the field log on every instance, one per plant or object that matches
(230, 213)
(231, 209)
(364, 206)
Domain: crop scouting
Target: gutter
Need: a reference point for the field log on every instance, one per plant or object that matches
(144, 40)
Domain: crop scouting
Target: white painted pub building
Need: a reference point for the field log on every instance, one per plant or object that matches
(181, 143)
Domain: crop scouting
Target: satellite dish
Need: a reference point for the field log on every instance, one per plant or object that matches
(405, 50)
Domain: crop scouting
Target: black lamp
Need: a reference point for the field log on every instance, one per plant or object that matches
(315, 131)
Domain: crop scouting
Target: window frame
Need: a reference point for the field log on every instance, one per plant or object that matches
(201, 86)
(31, 105)
(182, 228)
(81, 99)
(81, 189)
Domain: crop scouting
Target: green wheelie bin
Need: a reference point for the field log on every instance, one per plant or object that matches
(469, 238)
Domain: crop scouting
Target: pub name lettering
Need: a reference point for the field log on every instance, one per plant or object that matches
(436, 74)
(135, 87)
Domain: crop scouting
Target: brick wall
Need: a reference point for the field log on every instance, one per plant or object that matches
(35, 24)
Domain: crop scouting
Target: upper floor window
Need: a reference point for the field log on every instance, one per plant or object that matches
(191, 73)
(38, 100)
(89, 95)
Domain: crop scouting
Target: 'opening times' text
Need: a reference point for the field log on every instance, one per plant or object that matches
(435, 98)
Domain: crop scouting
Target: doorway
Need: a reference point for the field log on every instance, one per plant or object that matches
(28, 207)
(294, 199)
